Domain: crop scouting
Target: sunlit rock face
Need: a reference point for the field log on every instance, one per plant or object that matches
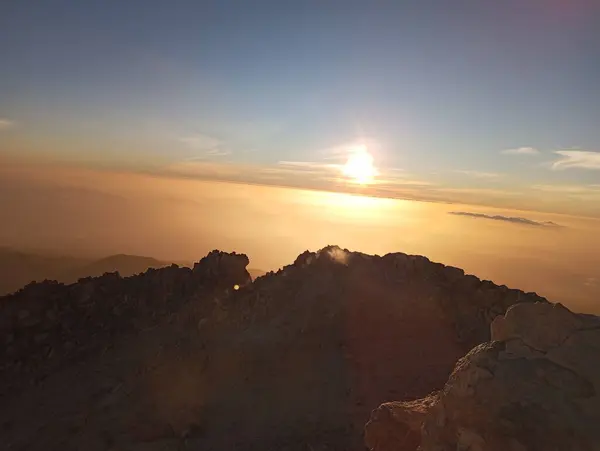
(535, 387)
(295, 360)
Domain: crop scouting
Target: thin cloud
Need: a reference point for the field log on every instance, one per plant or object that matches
(198, 168)
(386, 180)
(513, 219)
(521, 151)
(207, 145)
(483, 191)
(343, 151)
(579, 159)
(308, 166)
(568, 189)
(6, 124)
(402, 182)
(480, 174)
(288, 170)
(218, 152)
(396, 170)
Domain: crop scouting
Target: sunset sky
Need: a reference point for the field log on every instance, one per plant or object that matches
(485, 102)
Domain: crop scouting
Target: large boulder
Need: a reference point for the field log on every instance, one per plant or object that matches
(534, 387)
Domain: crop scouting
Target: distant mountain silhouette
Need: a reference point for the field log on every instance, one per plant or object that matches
(125, 265)
(254, 273)
(18, 268)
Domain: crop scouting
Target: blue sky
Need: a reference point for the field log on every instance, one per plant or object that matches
(438, 92)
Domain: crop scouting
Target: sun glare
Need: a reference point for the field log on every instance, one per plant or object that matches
(359, 167)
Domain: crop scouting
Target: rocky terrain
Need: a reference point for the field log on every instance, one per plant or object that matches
(203, 358)
(534, 387)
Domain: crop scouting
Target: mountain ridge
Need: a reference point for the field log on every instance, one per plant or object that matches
(297, 358)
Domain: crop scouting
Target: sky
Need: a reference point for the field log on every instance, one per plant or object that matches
(485, 102)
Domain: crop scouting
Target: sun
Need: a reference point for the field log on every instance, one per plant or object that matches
(359, 167)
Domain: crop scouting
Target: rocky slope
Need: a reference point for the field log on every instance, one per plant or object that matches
(536, 386)
(185, 359)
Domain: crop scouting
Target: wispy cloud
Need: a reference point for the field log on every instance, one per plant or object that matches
(217, 152)
(293, 173)
(404, 181)
(310, 165)
(513, 219)
(568, 189)
(341, 153)
(332, 172)
(521, 151)
(6, 124)
(570, 194)
(207, 145)
(199, 168)
(287, 171)
(480, 174)
(581, 159)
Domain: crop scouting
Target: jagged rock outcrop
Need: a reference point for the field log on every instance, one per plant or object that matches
(535, 387)
(295, 360)
(47, 325)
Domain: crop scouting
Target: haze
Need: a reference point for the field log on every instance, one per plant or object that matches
(96, 213)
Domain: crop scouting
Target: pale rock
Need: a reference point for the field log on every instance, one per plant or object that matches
(536, 388)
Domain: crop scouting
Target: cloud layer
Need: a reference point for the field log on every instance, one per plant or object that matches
(513, 219)
(577, 159)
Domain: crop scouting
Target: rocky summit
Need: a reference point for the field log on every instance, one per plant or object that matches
(206, 359)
